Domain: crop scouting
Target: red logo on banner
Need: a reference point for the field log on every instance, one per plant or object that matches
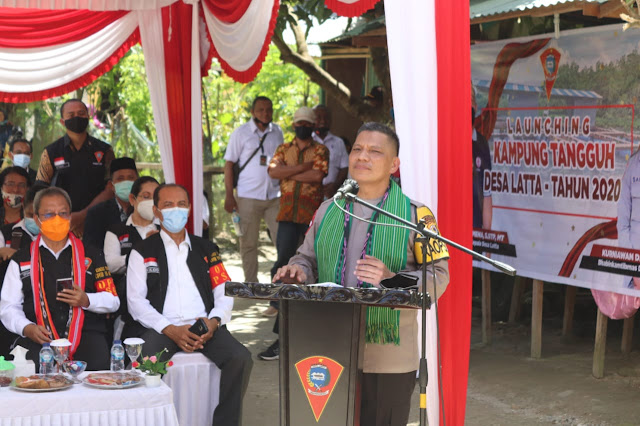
(550, 60)
(318, 376)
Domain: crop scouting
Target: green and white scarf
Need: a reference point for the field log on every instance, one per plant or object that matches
(388, 244)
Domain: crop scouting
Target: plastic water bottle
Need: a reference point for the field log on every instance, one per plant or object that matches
(235, 217)
(46, 359)
(117, 356)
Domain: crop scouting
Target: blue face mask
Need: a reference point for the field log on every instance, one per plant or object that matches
(31, 226)
(21, 160)
(123, 189)
(174, 219)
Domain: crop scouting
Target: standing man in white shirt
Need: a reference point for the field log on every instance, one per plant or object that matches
(175, 279)
(338, 157)
(251, 148)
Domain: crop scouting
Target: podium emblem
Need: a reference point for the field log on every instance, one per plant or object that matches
(318, 376)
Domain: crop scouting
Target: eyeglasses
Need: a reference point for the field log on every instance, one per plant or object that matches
(63, 215)
(14, 185)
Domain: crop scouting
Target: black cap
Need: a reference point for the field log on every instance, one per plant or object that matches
(122, 164)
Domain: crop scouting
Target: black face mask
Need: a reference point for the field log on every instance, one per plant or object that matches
(322, 130)
(303, 132)
(77, 124)
(258, 121)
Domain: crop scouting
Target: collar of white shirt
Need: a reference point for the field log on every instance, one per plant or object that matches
(254, 127)
(326, 138)
(22, 226)
(56, 255)
(166, 239)
(129, 222)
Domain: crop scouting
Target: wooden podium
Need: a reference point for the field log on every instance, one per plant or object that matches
(322, 346)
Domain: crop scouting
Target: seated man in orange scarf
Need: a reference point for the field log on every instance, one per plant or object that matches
(57, 288)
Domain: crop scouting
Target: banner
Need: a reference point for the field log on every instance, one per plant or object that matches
(556, 174)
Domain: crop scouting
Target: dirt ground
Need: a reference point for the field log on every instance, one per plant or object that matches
(506, 386)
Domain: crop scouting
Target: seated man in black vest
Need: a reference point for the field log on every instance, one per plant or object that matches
(100, 217)
(57, 288)
(175, 279)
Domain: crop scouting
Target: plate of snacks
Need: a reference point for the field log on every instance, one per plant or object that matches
(113, 380)
(40, 383)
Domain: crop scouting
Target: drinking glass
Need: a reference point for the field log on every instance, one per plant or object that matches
(60, 349)
(75, 368)
(133, 346)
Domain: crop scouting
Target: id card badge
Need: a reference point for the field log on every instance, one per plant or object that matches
(263, 160)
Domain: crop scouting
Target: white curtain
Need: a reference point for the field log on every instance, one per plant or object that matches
(33, 70)
(96, 5)
(414, 78)
(239, 44)
(150, 22)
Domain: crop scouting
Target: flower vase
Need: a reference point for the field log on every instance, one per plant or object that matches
(152, 380)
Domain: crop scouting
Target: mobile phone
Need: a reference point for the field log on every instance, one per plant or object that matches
(199, 327)
(64, 283)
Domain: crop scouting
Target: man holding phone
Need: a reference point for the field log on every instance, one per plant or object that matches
(58, 288)
(175, 292)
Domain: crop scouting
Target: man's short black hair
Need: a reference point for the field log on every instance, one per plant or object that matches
(69, 101)
(20, 140)
(156, 193)
(14, 170)
(31, 193)
(258, 99)
(372, 126)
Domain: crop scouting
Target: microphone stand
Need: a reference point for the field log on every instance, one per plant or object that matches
(427, 251)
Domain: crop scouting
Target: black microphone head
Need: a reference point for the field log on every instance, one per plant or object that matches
(354, 186)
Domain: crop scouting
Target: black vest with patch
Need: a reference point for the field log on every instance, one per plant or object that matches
(52, 270)
(200, 258)
(81, 173)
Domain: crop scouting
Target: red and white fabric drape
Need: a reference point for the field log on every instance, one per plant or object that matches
(350, 8)
(431, 81)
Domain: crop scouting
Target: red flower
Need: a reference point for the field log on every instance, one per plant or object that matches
(170, 363)
(135, 364)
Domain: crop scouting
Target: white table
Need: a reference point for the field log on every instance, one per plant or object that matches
(195, 382)
(82, 405)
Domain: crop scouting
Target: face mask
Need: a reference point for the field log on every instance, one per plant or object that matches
(174, 219)
(145, 209)
(56, 228)
(77, 124)
(31, 225)
(21, 160)
(257, 121)
(322, 130)
(303, 132)
(123, 189)
(12, 200)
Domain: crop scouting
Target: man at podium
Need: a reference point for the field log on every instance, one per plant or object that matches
(339, 248)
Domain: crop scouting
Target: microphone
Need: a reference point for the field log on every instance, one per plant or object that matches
(349, 186)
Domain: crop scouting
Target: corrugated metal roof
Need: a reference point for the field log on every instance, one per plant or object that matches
(572, 93)
(480, 8)
(359, 29)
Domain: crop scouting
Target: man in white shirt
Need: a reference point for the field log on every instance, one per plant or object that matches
(58, 288)
(175, 279)
(251, 148)
(338, 157)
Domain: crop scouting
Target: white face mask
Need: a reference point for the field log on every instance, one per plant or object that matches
(145, 209)
(21, 160)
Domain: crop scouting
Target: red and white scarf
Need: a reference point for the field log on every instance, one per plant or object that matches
(43, 315)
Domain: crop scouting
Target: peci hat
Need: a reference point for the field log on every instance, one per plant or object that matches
(124, 163)
(304, 114)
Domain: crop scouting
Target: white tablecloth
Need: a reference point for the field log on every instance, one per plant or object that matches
(195, 382)
(82, 405)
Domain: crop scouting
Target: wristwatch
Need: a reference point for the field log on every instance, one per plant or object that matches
(219, 321)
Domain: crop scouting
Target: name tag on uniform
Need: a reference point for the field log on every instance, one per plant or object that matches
(25, 269)
(60, 163)
(151, 263)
